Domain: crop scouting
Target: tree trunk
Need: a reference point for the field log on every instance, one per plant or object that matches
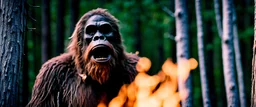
(36, 37)
(203, 72)
(182, 40)
(12, 28)
(253, 90)
(137, 28)
(60, 27)
(228, 55)
(218, 16)
(46, 34)
(74, 11)
(238, 61)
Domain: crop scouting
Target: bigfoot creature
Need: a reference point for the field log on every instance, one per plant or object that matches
(93, 69)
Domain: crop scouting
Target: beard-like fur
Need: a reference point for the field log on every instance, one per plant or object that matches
(100, 71)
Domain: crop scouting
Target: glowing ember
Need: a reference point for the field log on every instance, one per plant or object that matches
(159, 90)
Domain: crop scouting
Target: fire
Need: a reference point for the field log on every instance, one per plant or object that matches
(159, 90)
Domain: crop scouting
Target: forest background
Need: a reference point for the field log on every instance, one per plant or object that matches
(147, 27)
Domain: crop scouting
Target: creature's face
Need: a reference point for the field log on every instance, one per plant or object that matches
(99, 36)
(103, 49)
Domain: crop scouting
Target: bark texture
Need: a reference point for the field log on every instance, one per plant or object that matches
(228, 55)
(12, 28)
(200, 40)
(238, 60)
(182, 41)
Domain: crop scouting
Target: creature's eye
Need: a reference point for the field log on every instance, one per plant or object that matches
(91, 30)
(105, 28)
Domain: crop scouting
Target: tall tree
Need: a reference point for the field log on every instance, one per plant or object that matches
(218, 20)
(36, 36)
(200, 40)
(46, 33)
(60, 27)
(238, 61)
(253, 90)
(137, 27)
(228, 55)
(182, 41)
(12, 28)
(218, 16)
(74, 11)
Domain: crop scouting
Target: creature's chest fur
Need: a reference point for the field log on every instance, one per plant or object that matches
(74, 92)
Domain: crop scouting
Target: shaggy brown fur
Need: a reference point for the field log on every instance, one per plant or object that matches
(59, 82)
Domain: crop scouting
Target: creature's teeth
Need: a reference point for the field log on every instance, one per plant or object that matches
(101, 58)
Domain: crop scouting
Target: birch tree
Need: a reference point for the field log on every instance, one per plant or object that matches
(238, 63)
(218, 16)
(228, 55)
(253, 90)
(182, 41)
(12, 28)
(201, 56)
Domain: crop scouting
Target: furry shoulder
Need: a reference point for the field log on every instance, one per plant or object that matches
(47, 81)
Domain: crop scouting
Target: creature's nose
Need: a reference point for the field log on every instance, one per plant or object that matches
(98, 36)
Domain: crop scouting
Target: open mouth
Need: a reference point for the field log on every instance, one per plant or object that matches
(101, 53)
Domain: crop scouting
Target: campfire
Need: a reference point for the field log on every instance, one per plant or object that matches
(160, 90)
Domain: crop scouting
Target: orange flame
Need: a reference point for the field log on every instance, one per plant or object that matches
(159, 90)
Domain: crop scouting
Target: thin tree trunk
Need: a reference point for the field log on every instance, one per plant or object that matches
(172, 31)
(74, 11)
(238, 61)
(203, 72)
(228, 55)
(46, 38)
(36, 37)
(137, 28)
(253, 90)
(218, 16)
(12, 28)
(60, 27)
(182, 40)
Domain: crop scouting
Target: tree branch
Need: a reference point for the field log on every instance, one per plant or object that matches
(168, 11)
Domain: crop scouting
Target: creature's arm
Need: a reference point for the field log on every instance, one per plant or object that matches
(45, 90)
